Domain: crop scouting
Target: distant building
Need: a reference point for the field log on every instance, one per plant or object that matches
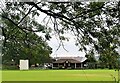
(69, 62)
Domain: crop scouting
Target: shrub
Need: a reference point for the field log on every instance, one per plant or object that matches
(9, 67)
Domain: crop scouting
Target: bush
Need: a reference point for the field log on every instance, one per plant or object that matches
(10, 67)
(61, 67)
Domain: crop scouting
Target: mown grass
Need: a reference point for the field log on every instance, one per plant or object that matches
(59, 75)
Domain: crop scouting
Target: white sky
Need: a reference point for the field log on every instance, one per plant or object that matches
(72, 50)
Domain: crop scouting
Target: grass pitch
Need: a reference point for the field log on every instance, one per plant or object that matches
(59, 75)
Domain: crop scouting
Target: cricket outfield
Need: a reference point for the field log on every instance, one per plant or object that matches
(59, 75)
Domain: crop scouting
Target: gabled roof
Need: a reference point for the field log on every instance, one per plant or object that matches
(70, 59)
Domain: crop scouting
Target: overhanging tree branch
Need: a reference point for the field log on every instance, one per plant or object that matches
(23, 29)
(54, 15)
(13, 23)
(49, 12)
(25, 15)
(88, 11)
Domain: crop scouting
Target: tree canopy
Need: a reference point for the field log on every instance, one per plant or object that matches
(94, 24)
(23, 44)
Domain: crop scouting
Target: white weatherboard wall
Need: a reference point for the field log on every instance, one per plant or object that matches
(24, 64)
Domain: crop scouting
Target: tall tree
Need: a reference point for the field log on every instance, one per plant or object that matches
(109, 58)
(23, 44)
(91, 60)
(94, 24)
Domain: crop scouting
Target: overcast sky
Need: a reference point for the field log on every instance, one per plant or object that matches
(72, 50)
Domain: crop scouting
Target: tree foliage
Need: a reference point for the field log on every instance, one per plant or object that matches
(94, 24)
(20, 42)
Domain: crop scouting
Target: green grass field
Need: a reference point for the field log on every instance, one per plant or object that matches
(59, 75)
